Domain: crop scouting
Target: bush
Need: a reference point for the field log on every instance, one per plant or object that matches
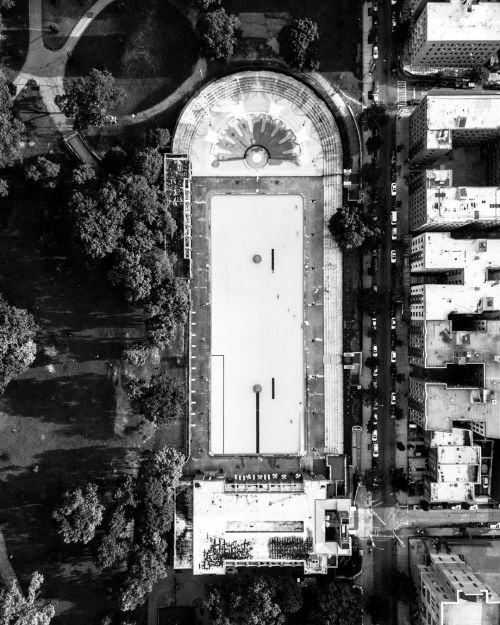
(299, 44)
(204, 5)
(218, 34)
(160, 138)
(136, 356)
(79, 514)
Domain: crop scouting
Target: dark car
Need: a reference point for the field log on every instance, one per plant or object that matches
(394, 68)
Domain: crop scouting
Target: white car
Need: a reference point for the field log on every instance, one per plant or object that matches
(393, 256)
(394, 233)
(375, 416)
(393, 323)
(393, 399)
(375, 52)
(393, 356)
(375, 373)
(393, 189)
(394, 218)
(456, 507)
(485, 481)
(375, 450)
(374, 350)
(374, 323)
(374, 436)
(394, 23)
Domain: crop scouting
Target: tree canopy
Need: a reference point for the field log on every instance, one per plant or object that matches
(163, 400)
(299, 44)
(338, 603)
(218, 34)
(17, 344)
(10, 126)
(44, 172)
(90, 100)
(351, 227)
(79, 515)
(19, 609)
(374, 117)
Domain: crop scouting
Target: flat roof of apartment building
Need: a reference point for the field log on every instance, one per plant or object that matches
(445, 346)
(451, 21)
(462, 204)
(441, 300)
(446, 113)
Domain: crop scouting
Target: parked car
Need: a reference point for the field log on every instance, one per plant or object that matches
(438, 507)
(375, 52)
(394, 218)
(393, 356)
(374, 350)
(417, 507)
(374, 323)
(455, 507)
(485, 481)
(375, 416)
(394, 23)
(375, 450)
(393, 157)
(374, 436)
(374, 253)
(393, 188)
(393, 256)
(393, 399)
(394, 233)
(393, 323)
(474, 507)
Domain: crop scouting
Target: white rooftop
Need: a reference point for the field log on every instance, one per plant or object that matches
(440, 300)
(451, 21)
(462, 204)
(459, 455)
(240, 525)
(447, 113)
(457, 437)
(451, 491)
(441, 251)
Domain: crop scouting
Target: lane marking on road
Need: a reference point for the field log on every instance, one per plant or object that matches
(381, 520)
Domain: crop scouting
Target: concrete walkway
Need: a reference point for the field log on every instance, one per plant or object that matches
(47, 67)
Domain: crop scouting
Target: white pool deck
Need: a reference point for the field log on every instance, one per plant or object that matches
(257, 324)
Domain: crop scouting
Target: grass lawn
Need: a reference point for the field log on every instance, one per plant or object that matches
(150, 51)
(66, 420)
(338, 22)
(64, 14)
(15, 38)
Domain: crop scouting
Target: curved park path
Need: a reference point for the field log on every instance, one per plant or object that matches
(47, 68)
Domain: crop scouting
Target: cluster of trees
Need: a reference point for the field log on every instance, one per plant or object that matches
(10, 126)
(372, 119)
(91, 100)
(17, 608)
(120, 216)
(352, 227)
(136, 524)
(299, 44)
(246, 600)
(17, 342)
(161, 401)
(218, 32)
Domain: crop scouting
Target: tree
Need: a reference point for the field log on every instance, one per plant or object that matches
(204, 5)
(378, 607)
(18, 609)
(399, 481)
(371, 426)
(91, 100)
(160, 138)
(79, 514)
(338, 603)
(218, 34)
(115, 160)
(168, 308)
(149, 164)
(350, 227)
(371, 362)
(10, 127)
(116, 542)
(400, 446)
(398, 413)
(147, 568)
(164, 400)
(400, 377)
(44, 172)
(165, 463)
(97, 214)
(373, 144)
(250, 600)
(7, 4)
(372, 479)
(370, 300)
(374, 117)
(480, 74)
(4, 188)
(403, 587)
(299, 44)
(17, 344)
